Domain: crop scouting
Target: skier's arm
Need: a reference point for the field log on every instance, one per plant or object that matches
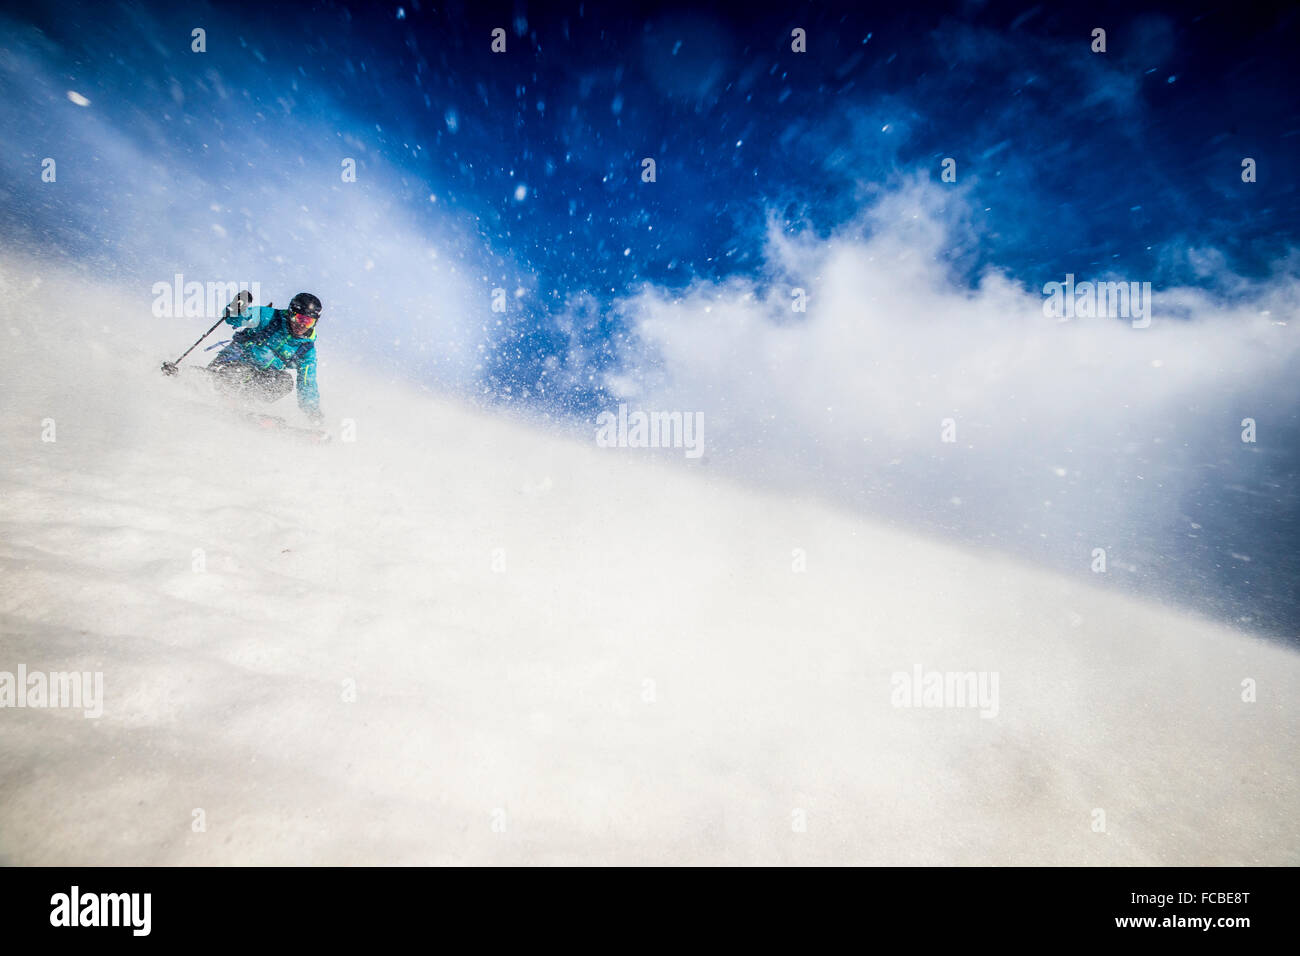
(308, 394)
(253, 317)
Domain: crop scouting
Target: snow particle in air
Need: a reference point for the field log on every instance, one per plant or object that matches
(78, 98)
(521, 192)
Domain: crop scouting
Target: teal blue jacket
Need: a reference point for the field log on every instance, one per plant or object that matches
(264, 341)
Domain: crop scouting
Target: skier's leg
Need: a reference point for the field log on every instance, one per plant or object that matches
(271, 385)
(265, 384)
(232, 379)
(230, 372)
(236, 377)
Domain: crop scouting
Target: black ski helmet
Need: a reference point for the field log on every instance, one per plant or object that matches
(304, 303)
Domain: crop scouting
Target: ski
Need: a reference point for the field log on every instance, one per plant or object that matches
(274, 423)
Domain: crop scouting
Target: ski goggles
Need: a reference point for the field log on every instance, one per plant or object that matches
(300, 323)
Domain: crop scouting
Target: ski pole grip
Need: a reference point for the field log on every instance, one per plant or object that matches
(238, 304)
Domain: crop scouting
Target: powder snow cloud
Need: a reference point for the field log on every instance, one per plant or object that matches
(1069, 435)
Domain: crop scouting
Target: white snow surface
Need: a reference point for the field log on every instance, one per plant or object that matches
(560, 653)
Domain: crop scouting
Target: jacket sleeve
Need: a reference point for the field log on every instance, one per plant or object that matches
(252, 318)
(308, 395)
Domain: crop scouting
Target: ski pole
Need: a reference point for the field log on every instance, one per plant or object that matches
(243, 300)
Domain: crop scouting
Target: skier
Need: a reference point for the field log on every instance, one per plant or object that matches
(268, 342)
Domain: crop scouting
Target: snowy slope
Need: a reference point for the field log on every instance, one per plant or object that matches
(561, 653)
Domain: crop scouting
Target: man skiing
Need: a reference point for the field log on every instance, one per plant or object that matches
(268, 342)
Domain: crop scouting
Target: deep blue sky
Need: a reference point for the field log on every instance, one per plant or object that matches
(1075, 161)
